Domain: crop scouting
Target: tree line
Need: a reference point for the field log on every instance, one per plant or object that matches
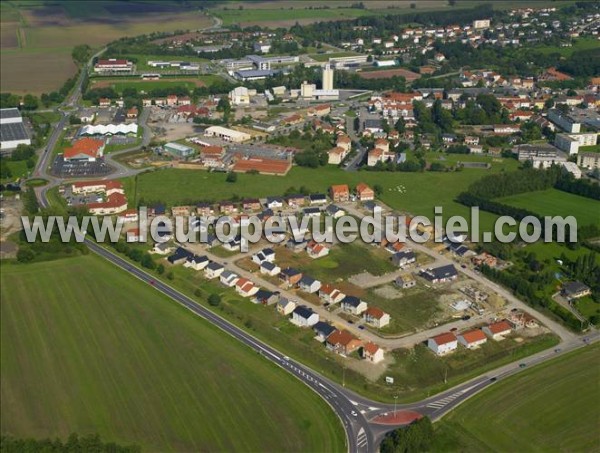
(74, 443)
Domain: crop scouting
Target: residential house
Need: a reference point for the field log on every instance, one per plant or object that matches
(196, 262)
(295, 201)
(403, 258)
(376, 317)
(316, 250)
(323, 330)
(440, 274)
(162, 248)
(251, 204)
(372, 352)
(330, 295)
(285, 306)
(498, 330)
(364, 192)
(266, 254)
(204, 209)
(274, 203)
(443, 344)
(245, 287)
(354, 305)
(213, 270)
(339, 193)
(405, 281)
(575, 290)
(228, 278)
(303, 316)
(290, 276)
(179, 256)
(296, 246)
(317, 198)
(336, 155)
(311, 212)
(335, 211)
(309, 284)
(265, 297)
(343, 342)
(472, 339)
(269, 268)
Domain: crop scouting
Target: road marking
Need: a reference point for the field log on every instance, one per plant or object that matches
(354, 402)
(361, 438)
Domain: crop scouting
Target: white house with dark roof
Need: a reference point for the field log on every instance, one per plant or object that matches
(228, 278)
(304, 317)
(213, 270)
(354, 305)
(309, 284)
(285, 306)
(269, 268)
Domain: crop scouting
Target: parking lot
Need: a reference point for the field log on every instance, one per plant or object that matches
(64, 169)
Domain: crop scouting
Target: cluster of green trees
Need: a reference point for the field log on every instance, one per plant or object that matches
(139, 256)
(338, 31)
(55, 248)
(484, 109)
(314, 144)
(75, 443)
(22, 153)
(585, 268)
(414, 438)
(530, 286)
(410, 166)
(582, 187)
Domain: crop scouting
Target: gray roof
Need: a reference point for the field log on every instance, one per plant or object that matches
(13, 131)
(574, 287)
(9, 113)
(303, 312)
(323, 328)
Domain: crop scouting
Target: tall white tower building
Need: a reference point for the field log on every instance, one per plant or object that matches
(327, 77)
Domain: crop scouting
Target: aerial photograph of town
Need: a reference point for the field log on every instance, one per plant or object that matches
(299, 226)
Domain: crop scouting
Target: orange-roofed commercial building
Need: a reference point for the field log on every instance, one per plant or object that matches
(264, 166)
(84, 149)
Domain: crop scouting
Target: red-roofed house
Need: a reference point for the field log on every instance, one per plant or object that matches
(339, 193)
(376, 317)
(472, 339)
(132, 113)
(330, 294)
(172, 99)
(245, 287)
(316, 250)
(364, 192)
(372, 353)
(84, 149)
(443, 344)
(498, 330)
(343, 342)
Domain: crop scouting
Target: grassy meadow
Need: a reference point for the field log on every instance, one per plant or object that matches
(79, 354)
(557, 203)
(552, 407)
(423, 191)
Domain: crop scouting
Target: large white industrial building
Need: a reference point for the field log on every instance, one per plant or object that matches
(12, 129)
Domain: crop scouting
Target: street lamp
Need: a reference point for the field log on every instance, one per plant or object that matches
(395, 401)
(344, 376)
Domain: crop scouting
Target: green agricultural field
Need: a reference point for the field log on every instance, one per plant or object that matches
(552, 407)
(557, 203)
(81, 355)
(423, 191)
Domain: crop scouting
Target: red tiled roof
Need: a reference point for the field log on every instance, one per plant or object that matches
(340, 189)
(361, 187)
(273, 166)
(473, 336)
(88, 146)
(375, 312)
(341, 337)
(444, 338)
(499, 327)
(371, 348)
